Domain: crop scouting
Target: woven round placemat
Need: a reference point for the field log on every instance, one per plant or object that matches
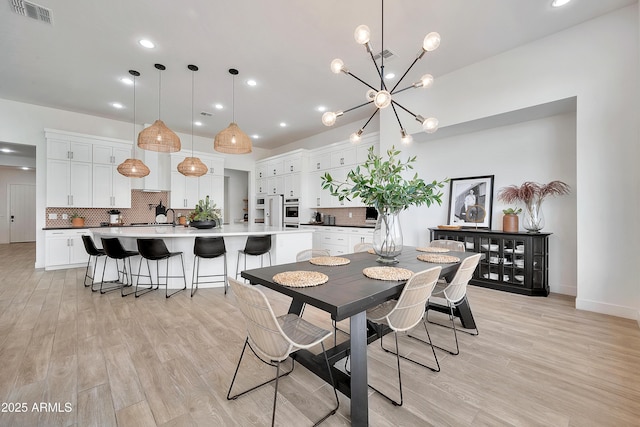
(387, 273)
(329, 260)
(438, 259)
(300, 279)
(434, 250)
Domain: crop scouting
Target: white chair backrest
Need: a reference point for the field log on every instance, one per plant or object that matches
(457, 289)
(452, 245)
(307, 254)
(264, 332)
(410, 307)
(362, 247)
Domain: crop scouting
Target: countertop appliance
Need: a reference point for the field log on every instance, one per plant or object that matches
(274, 210)
(371, 215)
(291, 213)
(114, 216)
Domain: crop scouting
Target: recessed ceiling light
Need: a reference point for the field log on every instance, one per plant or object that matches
(197, 123)
(283, 125)
(252, 82)
(218, 106)
(24, 168)
(559, 3)
(117, 105)
(147, 43)
(126, 80)
(255, 136)
(389, 76)
(321, 108)
(6, 150)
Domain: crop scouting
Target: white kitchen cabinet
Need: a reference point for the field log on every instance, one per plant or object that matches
(360, 235)
(275, 167)
(212, 186)
(184, 191)
(320, 161)
(319, 198)
(293, 164)
(343, 157)
(275, 185)
(110, 188)
(292, 185)
(261, 186)
(69, 150)
(68, 183)
(110, 155)
(261, 170)
(64, 248)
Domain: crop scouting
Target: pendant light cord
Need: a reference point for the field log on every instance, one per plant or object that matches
(382, 85)
(233, 98)
(134, 116)
(192, 78)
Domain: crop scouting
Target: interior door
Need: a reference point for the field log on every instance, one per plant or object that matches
(22, 213)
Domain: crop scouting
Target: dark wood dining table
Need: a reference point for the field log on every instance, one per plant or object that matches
(347, 295)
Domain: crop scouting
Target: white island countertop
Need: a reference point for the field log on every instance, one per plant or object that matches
(182, 231)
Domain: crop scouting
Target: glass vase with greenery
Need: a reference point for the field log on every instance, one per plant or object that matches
(379, 182)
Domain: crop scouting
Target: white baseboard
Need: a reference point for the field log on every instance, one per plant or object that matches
(610, 309)
(564, 290)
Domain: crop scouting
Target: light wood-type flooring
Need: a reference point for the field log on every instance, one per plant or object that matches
(104, 360)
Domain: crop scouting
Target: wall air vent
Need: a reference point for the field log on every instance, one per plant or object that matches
(32, 10)
(387, 54)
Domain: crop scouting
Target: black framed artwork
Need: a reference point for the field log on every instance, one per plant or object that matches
(471, 201)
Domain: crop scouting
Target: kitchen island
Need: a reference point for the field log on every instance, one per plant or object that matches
(285, 244)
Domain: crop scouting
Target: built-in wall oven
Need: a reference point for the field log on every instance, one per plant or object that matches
(291, 213)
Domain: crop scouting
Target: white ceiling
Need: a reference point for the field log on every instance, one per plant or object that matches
(286, 45)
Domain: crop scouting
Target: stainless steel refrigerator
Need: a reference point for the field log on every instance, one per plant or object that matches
(274, 210)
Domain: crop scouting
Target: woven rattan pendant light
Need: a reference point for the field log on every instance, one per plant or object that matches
(192, 166)
(158, 137)
(232, 140)
(133, 168)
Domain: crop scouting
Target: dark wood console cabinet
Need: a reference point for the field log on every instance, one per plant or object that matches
(514, 262)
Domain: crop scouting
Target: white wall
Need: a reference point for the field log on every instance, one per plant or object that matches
(540, 150)
(597, 62)
(10, 175)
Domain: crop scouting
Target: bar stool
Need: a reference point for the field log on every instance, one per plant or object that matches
(208, 248)
(114, 250)
(255, 246)
(91, 249)
(156, 250)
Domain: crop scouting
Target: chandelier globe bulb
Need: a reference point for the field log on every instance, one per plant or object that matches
(382, 99)
(337, 65)
(431, 42)
(362, 34)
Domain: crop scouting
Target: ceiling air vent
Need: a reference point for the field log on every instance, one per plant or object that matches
(32, 10)
(386, 54)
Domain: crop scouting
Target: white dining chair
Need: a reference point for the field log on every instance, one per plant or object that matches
(307, 254)
(273, 339)
(453, 295)
(404, 314)
(452, 245)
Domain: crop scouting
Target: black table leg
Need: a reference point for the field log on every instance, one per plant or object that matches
(359, 387)
(462, 311)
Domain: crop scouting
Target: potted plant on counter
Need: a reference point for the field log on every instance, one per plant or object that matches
(379, 183)
(205, 215)
(76, 220)
(532, 194)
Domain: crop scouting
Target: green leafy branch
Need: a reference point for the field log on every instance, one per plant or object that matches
(379, 183)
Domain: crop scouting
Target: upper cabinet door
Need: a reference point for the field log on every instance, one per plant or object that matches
(293, 165)
(342, 158)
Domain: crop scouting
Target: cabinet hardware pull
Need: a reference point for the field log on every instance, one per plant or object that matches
(72, 155)
(291, 168)
(318, 165)
(318, 201)
(342, 160)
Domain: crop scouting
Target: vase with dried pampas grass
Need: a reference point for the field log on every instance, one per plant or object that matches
(532, 194)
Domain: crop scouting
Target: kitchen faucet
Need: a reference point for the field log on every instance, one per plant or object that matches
(173, 217)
